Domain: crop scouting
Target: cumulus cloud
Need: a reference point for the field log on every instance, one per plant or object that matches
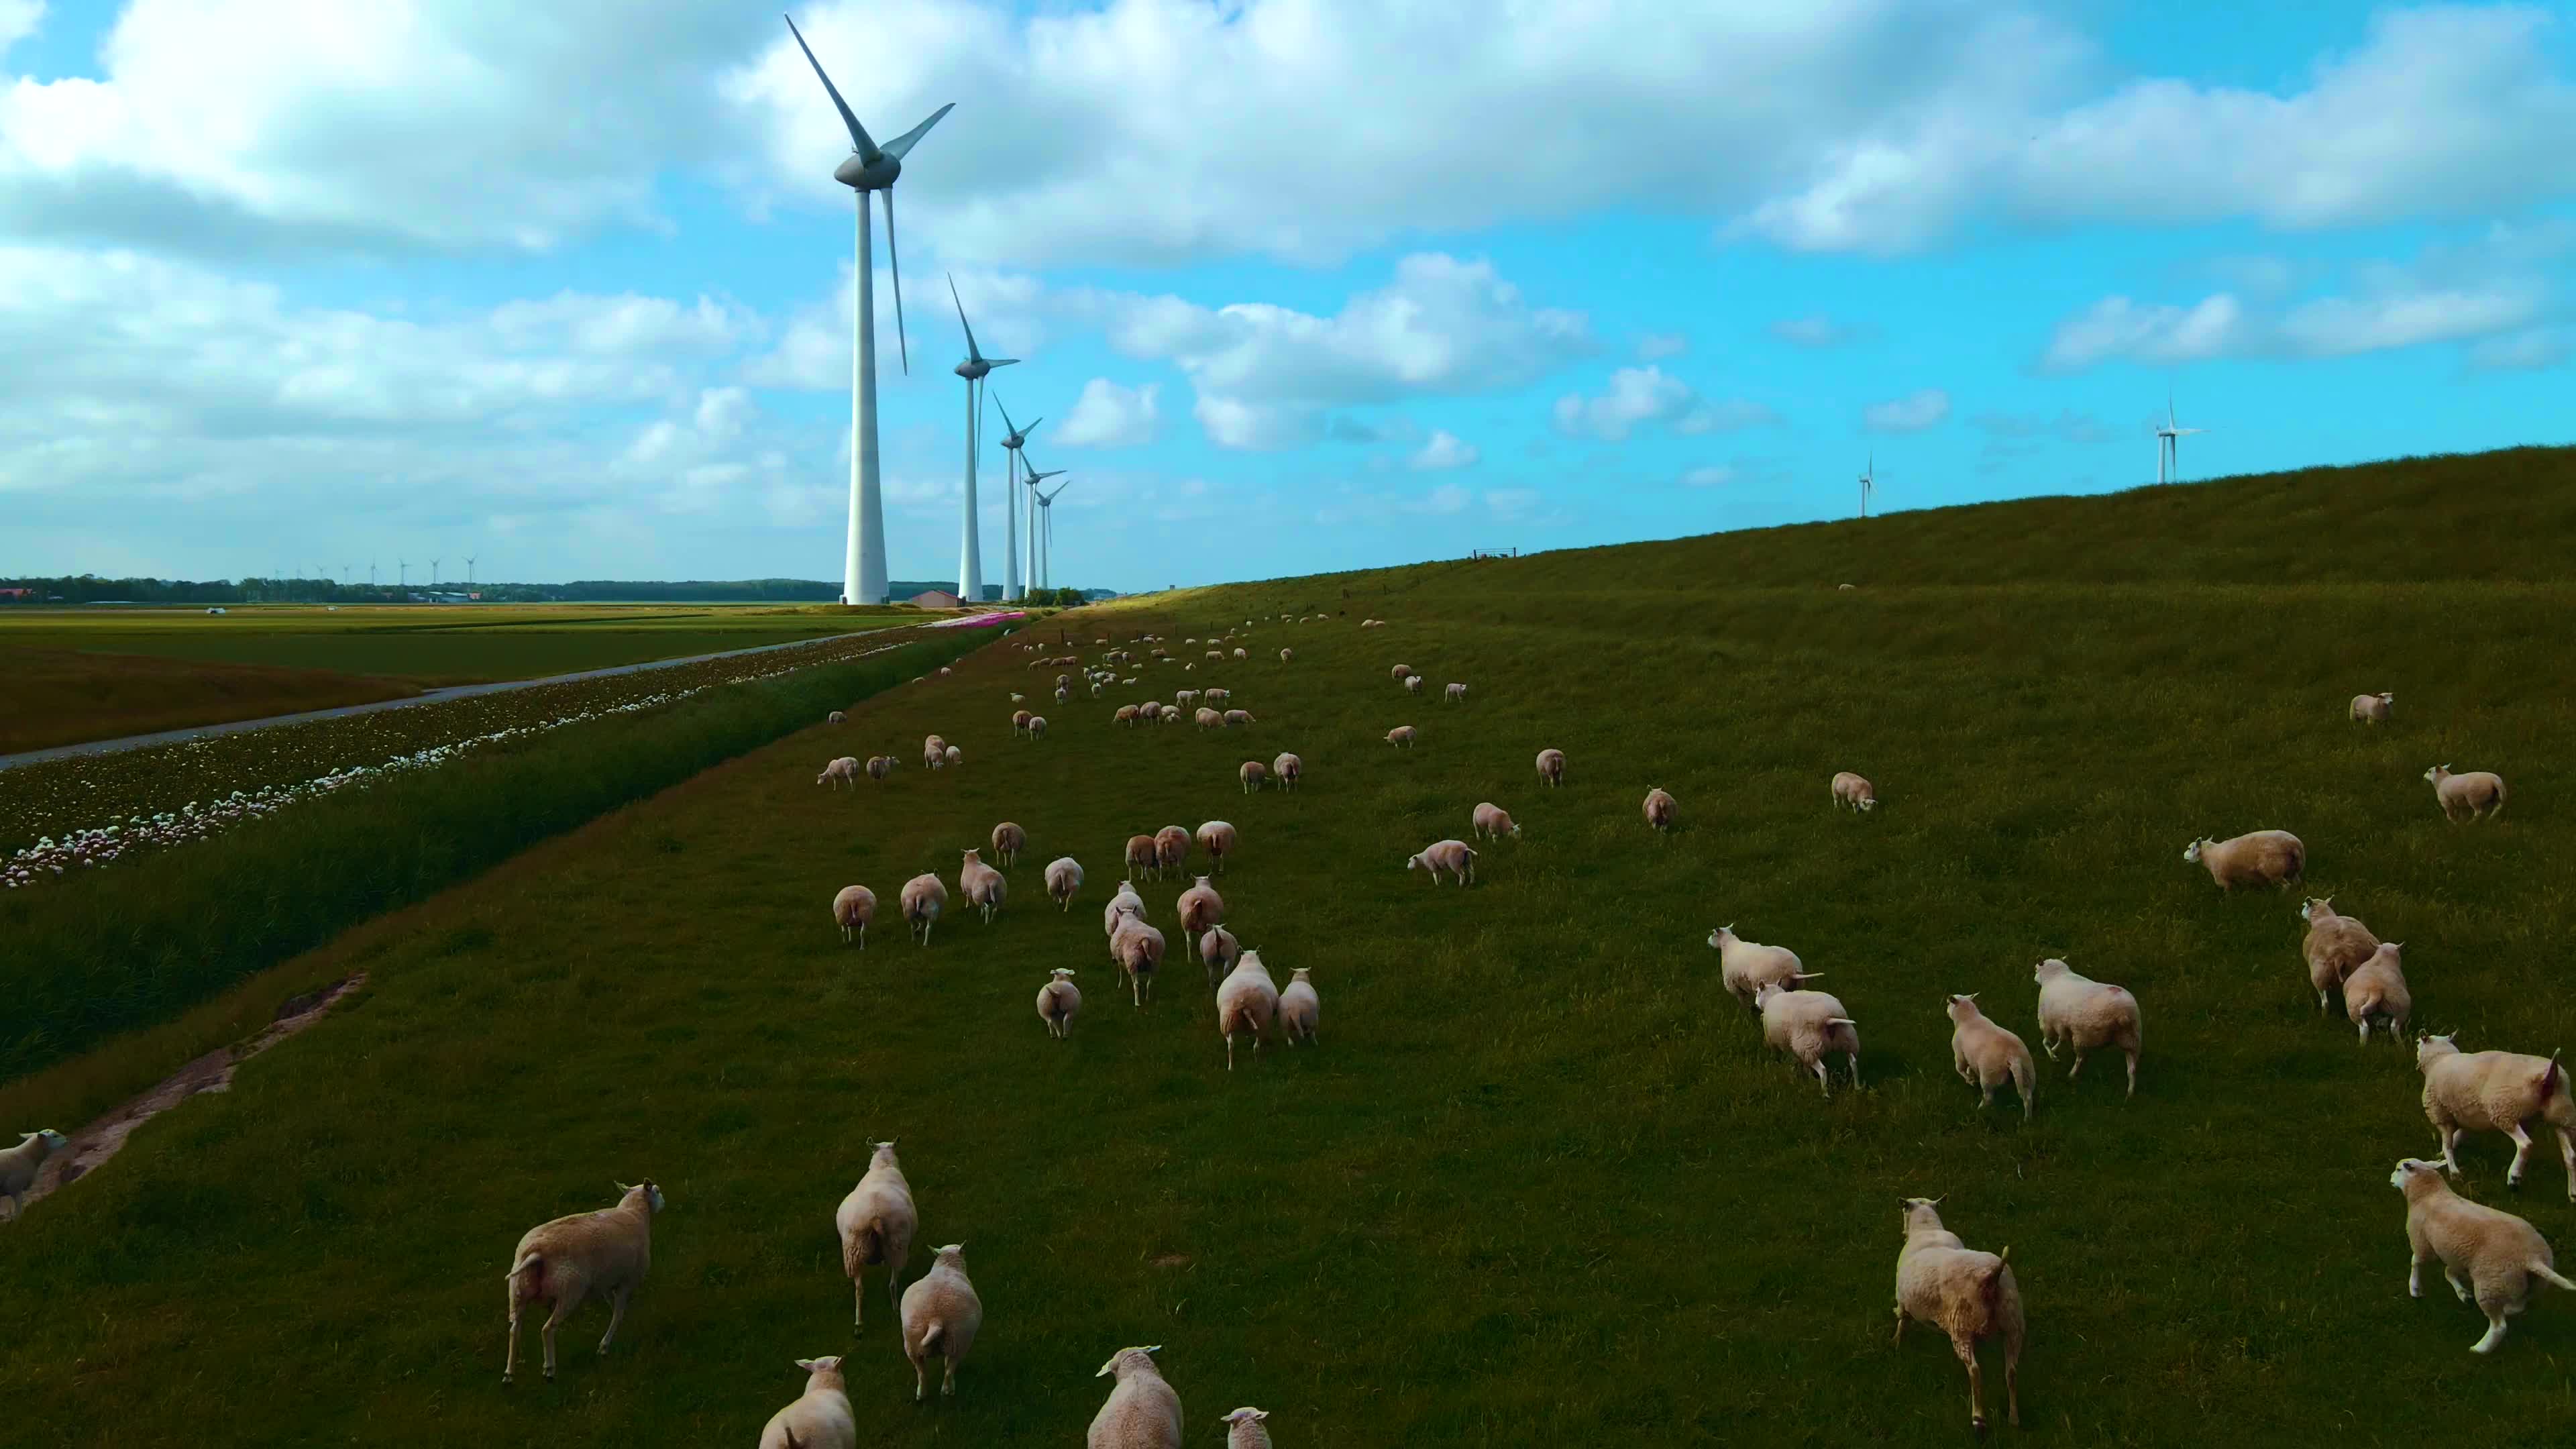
(1110, 416)
(1443, 452)
(1911, 413)
(1657, 345)
(1447, 498)
(1814, 330)
(18, 20)
(2521, 351)
(1511, 503)
(1640, 395)
(1712, 475)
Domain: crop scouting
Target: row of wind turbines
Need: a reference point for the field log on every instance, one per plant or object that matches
(2168, 456)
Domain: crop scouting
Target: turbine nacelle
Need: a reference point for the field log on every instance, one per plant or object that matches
(859, 173)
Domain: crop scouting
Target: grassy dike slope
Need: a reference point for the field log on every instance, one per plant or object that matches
(1541, 1181)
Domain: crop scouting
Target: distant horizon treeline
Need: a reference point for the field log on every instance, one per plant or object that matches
(92, 589)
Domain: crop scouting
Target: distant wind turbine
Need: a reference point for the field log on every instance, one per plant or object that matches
(469, 571)
(970, 543)
(433, 573)
(405, 576)
(1044, 523)
(1868, 483)
(2169, 445)
(1012, 442)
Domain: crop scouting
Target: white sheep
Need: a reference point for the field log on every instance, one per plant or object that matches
(1284, 656)
(1253, 773)
(835, 717)
(2505, 1257)
(1235, 717)
(1400, 735)
(1454, 693)
(852, 909)
(844, 770)
(1218, 951)
(1745, 967)
(1808, 1025)
(1491, 821)
(2496, 1092)
(1142, 855)
(1037, 722)
(1008, 841)
(1247, 1000)
(1142, 1412)
(1171, 850)
(2376, 991)
(1984, 1054)
(2333, 946)
(1209, 719)
(1966, 1294)
(1400, 673)
(564, 1261)
(1551, 766)
(2471, 795)
(1063, 878)
(2258, 857)
(1288, 770)
(1138, 950)
(941, 1315)
(2372, 708)
(1243, 1429)
(819, 1418)
(1241, 653)
(876, 1221)
(880, 766)
(1126, 714)
(954, 755)
(1200, 908)
(1020, 721)
(1413, 684)
(1661, 810)
(1299, 1007)
(1217, 696)
(979, 885)
(1124, 904)
(924, 897)
(20, 1164)
(1453, 856)
(2083, 1013)
(1058, 1000)
(1218, 839)
(1850, 789)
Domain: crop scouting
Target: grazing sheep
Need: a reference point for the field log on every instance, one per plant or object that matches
(876, 1222)
(1008, 841)
(1142, 1411)
(2258, 857)
(1019, 721)
(2372, 708)
(1252, 774)
(1400, 673)
(1984, 1054)
(1453, 856)
(1142, 854)
(1372, 623)
(1413, 684)
(1852, 790)
(20, 1164)
(2084, 1014)
(1126, 714)
(1218, 951)
(1807, 1025)
(2333, 946)
(1216, 696)
(1243, 1429)
(955, 755)
(880, 766)
(1289, 769)
(2506, 1257)
(1967, 1295)
(1063, 878)
(1058, 1000)
(940, 1316)
(1247, 1000)
(1037, 722)
(1241, 653)
(836, 717)
(1218, 839)
(1151, 711)
(1209, 719)
(1284, 656)
(564, 1261)
(853, 908)
(1124, 904)
(1171, 850)
(1234, 717)
(1661, 809)
(1491, 821)
(1745, 967)
(2376, 990)
(1138, 950)
(1551, 766)
(2496, 1092)
(981, 886)
(1400, 735)
(2469, 796)
(924, 897)
(1454, 694)
(820, 1418)
(1299, 1008)
(1200, 908)
(1185, 697)
(844, 770)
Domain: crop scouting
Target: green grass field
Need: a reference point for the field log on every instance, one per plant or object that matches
(1541, 1182)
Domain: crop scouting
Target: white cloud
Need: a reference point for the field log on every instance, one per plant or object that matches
(2068, 426)
(2536, 348)
(1640, 395)
(2342, 326)
(1911, 413)
(1511, 503)
(1110, 416)
(1658, 345)
(1444, 451)
(1711, 475)
(1447, 498)
(1814, 330)
(18, 20)
(2119, 327)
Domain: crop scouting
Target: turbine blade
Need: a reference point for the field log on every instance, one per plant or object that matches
(997, 402)
(971, 353)
(999, 361)
(895, 262)
(1032, 427)
(903, 143)
(859, 141)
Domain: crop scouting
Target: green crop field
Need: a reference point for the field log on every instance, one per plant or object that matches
(1540, 1182)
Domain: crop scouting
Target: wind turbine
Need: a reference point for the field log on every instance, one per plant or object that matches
(1868, 483)
(870, 167)
(1043, 501)
(405, 576)
(1011, 445)
(469, 571)
(970, 551)
(433, 574)
(2169, 445)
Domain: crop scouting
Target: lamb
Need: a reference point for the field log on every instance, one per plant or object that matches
(1400, 735)
(1551, 766)
(2083, 1013)
(1491, 821)
(1453, 856)
(1218, 951)
(876, 1223)
(2496, 1092)
(981, 886)
(2259, 857)
(1852, 790)
(1142, 1411)
(1209, 719)
(836, 717)
(1252, 774)
(1141, 855)
(2473, 795)
(1400, 673)
(1247, 1000)
(1185, 697)
(1058, 1000)
(1967, 1295)
(1200, 908)
(820, 1418)
(20, 1164)
(2376, 990)
(1299, 1008)
(1243, 1429)
(1008, 841)
(1661, 809)
(1289, 769)
(955, 755)
(2371, 708)
(1413, 684)
(853, 908)
(1037, 723)
(924, 897)
(2333, 946)
(880, 766)
(1235, 717)
(2506, 1257)
(1984, 1054)
(1063, 878)
(1745, 967)
(1454, 694)
(1138, 950)
(1019, 720)
(1285, 655)
(564, 1261)
(1218, 839)
(844, 770)
(1807, 1025)
(1171, 849)
(940, 1316)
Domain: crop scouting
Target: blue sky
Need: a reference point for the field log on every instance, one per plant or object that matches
(565, 287)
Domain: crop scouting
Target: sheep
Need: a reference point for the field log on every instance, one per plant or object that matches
(1063, 878)
(1209, 719)
(955, 755)
(1171, 850)
(2258, 857)
(1967, 1295)
(1019, 720)
(1247, 1000)
(1299, 1008)
(2496, 1092)
(1142, 1412)
(1745, 967)
(820, 1418)
(1491, 821)
(1138, 950)
(1216, 696)
(1218, 839)
(1218, 951)
(880, 766)
(1285, 655)
(924, 897)
(940, 1316)
(1661, 809)
(564, 1261)
(1169, 717)
(1400, 673)
(1037, 724)
(2083, 1013)
(1984, 1054)
(1200, 908)
(2376, 989)
(1151, 711)
(1454, 694)
(1850, 789)
(2333, 946)
(836, 717)
(1400, 735)
(2506, 1257)
(1141, 854)
(1252, 774)
(1413, 684)
(1243, 1429)
(1126, 714)
(1235, 717)
(852, 909)
(1063, 692)
(2371, 708)
(943, 669)
(1807, 1025)
(2473, 795)
(1453, 856)
(1241, 653)
(1372, 623)
(1551, 766)
(1216, 654)
(876, 1222)
(840, 771)
(981, 886)
(20, 1164)
(1123, 904)
(1289, 770)
(1008, 841)
(1058, 1000)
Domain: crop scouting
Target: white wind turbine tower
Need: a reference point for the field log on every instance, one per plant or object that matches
(1012, 441)
(970, 551)
(870, 167)
(1868, 483)
(1042, 528)
(2169, 446)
